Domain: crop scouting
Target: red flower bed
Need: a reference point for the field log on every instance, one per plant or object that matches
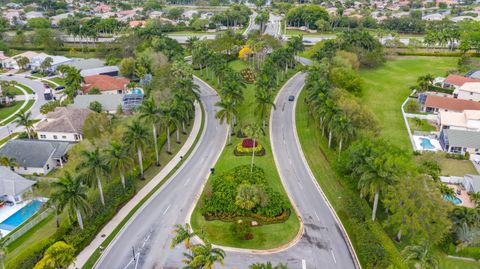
(248, 143)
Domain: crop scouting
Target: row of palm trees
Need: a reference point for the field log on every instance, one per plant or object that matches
(98, 164)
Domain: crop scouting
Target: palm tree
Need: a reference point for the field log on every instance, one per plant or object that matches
(227, 112)
(70, 193)
(8, 161)
(421, 255)
(264, 100)
(475, 197)
(205, 256)
(424, 82)
(169, 117)
(268, 265)
(25, 119)
(191, 41)
(254, 131)
(182, 234)
(137, 137)
(93, 167)
(343, 129)
(151, 113)
(118, 158)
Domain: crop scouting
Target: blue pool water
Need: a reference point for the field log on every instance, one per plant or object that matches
(425, 143)
(137, 91)
(21, 215)
(454, 200)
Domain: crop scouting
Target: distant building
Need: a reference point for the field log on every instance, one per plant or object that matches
(460, 141)
(435, 104)
(63, 124)
(468, 91)
(13, 186)
(83, 64)
(36, 61)
(466, 120)
(112, 71)
(34, 15)
(36, 156)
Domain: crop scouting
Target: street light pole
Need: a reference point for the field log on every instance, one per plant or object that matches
(133, 253)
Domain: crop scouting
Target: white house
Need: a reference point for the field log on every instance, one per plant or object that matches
(468, 91)
(11, 63)
(34, 15)
(465, 120)
(12, 185)
(63, 124)
(36, 61)
(35, 156)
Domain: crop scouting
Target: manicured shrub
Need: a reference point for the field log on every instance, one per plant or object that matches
(241, 230)
(240, 150)
(249, 143)
(221, 204)
(248, 75)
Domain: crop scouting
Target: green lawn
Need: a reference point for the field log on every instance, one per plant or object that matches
(421, 125)
(9, 110)
(449, 263)
(451, 167)
(58, 80)
(265, 237)
(18, 105)
(26, 88)
(387, 87)
(294, 32)
(50, 84)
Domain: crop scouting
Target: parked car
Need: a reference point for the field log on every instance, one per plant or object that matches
(47, 94)
(291, 98)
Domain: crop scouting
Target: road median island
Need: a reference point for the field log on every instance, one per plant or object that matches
(267, 233)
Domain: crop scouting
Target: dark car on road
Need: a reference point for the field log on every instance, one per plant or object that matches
(291, 98)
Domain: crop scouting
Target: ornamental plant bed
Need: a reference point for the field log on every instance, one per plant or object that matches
(240, 150)
(248, 75)
(240, 193)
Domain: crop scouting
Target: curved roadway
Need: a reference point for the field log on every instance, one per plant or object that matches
(149, 232)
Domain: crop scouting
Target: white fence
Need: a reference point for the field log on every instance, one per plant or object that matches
(29, 225)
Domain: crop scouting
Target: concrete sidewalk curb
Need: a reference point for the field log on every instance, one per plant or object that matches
(86, 253)
(312, 177)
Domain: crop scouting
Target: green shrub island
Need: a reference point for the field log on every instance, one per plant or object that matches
(248, 75)
(240, 193)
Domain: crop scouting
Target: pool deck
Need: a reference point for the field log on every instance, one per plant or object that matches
(434, 142)
(466, 202)
(7, 211)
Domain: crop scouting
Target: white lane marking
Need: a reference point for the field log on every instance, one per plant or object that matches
(317, 215)
(304, 264)
(164, 212)
(138, 258)
(333, 255)
(186, 182)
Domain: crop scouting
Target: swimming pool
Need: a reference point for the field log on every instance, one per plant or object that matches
(453, 199)
(426, 144)
(21, 215)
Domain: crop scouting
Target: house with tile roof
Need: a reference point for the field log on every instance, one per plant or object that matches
(106, 84)
(36, 156)
(63, 124)
(468, 91)
(455, 81)
(435, 104)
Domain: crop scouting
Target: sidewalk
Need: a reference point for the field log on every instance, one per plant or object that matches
(115, 221)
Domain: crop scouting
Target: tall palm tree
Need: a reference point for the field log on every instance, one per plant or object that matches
(118, 158)
(205, 256)
(25, 119)
(421, 255)
(93, 167)
(70, 193)
(254, 131)
(169, 117)
(182, 234)
(227, 112)
(342, 128)
(137, 137)
(264, 100)
(151, 113)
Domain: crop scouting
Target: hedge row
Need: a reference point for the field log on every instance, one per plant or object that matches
(437, 54)
(432, 88)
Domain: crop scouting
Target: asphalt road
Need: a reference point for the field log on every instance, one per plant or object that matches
(273, 26)
(149, 233)
(38, 89)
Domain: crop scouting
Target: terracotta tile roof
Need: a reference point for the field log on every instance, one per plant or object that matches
(458, 80)
(451, 103)
(104, 83)
(134, 24)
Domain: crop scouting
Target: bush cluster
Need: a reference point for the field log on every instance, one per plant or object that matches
(221, 202)
(456, 156)
(249, 143)
(248, 75)
(240, 150)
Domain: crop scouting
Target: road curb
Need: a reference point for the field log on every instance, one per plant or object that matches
(313, 178)
(25, 103)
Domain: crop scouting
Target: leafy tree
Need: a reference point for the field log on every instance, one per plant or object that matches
(8, 161)
(268, 265)
(127, 67)
(262, 19)
(346, 79)
(25, 119)
(182, 234)
(226, 113)
(46, 64)
(58, 255)
(295, 43)
(94, 91)
(36, 23)
(22, 62)
(70, 193)
(424, 82)
(417, 210)
(118, 158)
(93, 167)
(169, 117)
(264, 101)
(306, 15)
(137, 137)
